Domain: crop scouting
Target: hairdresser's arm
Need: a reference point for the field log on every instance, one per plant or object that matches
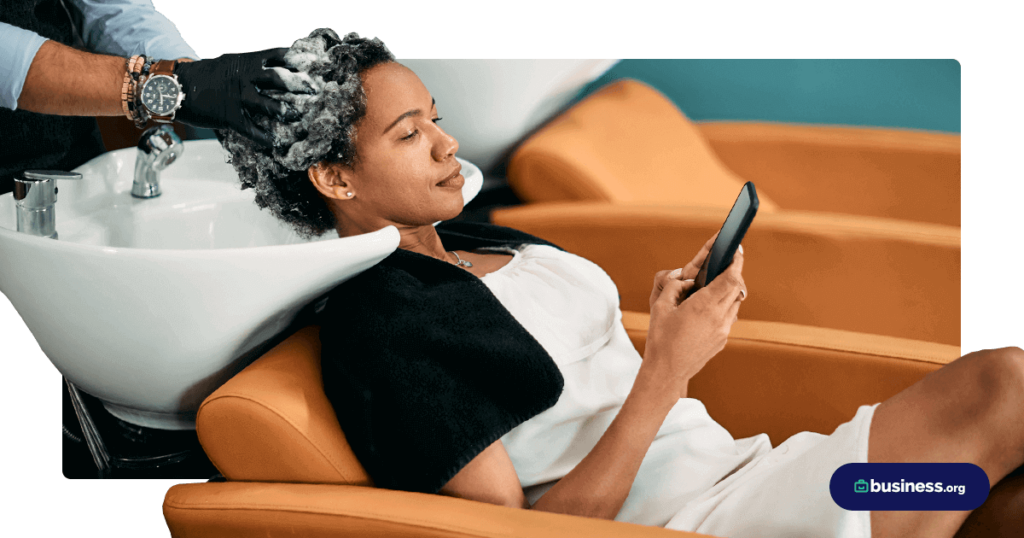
(68, 82)
(18, 47)
(80, 84)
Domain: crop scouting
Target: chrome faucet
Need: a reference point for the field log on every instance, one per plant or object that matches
(158, 148)
(35, 199)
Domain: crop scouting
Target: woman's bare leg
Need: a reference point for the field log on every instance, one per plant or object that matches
(1002, 515)
(971, 410)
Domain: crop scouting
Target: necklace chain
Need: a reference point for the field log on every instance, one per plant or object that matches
(461, 261)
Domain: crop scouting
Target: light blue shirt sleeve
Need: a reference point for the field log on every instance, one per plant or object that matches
(117, 27)
(128, 27)
(17, 49)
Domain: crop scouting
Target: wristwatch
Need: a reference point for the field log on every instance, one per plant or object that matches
(160, 94)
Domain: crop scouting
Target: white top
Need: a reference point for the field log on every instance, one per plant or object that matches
(571, 307)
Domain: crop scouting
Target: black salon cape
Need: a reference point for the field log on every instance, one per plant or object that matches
(425, 367)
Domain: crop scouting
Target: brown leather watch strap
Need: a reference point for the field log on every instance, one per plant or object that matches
(163, 67)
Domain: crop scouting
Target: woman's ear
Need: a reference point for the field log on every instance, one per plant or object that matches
(332, 180)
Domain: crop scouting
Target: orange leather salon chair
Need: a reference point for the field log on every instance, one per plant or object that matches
(858, 229)
(273, 434)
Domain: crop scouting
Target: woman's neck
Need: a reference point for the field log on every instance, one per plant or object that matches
(420, 239)
(423, 240)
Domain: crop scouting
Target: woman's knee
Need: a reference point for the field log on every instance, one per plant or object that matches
(981, 381)
(1015, 356)
(1013, 390)
(1002, 374)
(1001, 384)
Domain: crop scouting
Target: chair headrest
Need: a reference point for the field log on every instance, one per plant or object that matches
(624, 143)
(272, 421)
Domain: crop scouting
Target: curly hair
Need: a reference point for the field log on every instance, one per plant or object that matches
(326, 131)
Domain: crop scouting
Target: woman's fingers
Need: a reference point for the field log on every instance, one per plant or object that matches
(738, 260)
(689, 272)
(659, 283)
(739, 293)
(707, 245)
(693, 267)
(673, 291)
(729, 286)
(733, 313)
(665, 279)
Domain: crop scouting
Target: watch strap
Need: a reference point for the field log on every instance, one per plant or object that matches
(163, 67)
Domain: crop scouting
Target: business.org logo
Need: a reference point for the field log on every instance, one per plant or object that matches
(909, 486)
(903, 486)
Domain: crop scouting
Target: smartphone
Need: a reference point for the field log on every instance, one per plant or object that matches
(729, 237)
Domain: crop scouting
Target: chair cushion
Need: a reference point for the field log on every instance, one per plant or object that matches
(273, 423)
(625, 143)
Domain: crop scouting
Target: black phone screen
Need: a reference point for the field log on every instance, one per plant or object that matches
(730, 236)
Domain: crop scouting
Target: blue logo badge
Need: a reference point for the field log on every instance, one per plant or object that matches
(909, 486)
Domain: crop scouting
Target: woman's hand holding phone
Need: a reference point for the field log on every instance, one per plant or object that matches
(687, 272)
(685, 332)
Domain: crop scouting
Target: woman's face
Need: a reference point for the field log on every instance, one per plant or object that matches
(405, 172)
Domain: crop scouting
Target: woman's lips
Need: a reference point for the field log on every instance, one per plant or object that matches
(456, 172)
(454, 182)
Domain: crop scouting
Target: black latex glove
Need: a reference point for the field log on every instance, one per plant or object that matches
(224, 92)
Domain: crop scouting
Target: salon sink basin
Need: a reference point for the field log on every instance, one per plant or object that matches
(151, 304)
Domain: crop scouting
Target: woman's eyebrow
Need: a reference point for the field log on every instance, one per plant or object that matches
(415, 112)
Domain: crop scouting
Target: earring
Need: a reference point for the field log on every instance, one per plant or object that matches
(348, 194)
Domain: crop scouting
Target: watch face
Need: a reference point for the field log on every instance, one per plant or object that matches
(160, 95)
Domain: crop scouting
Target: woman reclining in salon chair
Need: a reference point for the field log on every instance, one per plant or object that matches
(484, 363)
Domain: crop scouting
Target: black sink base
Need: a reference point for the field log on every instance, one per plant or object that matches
(135, 451)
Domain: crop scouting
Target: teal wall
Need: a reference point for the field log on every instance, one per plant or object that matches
(912, 94)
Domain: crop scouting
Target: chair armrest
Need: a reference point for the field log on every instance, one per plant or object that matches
(782, 379)
(862, 274)
(245, 509)
(895, 173)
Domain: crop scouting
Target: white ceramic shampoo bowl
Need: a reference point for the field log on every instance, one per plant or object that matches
(150, 305)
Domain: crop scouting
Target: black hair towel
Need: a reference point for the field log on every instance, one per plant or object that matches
(425, 368)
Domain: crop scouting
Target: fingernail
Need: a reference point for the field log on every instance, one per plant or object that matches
(676, 273)
(741, 249)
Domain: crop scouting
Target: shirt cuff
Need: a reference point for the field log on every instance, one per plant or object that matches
(18, 47)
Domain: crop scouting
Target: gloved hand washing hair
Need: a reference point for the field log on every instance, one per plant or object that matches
(323, 128)
(223, 92)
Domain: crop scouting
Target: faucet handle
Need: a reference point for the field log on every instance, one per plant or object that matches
(39, 175)
(161, 145)
(35, 195)
(31, 190)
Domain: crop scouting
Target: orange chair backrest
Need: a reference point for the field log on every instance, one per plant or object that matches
(624, 143)
(273, 423)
